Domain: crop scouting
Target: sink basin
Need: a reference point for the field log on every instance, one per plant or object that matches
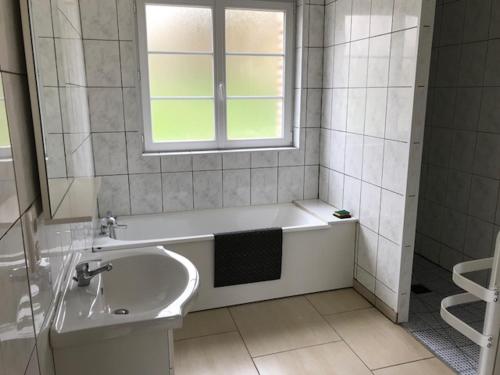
(152, 288)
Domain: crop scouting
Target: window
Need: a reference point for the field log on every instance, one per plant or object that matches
(216, 74)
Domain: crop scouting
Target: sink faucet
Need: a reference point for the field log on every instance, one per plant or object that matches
(109, 225)
(83, 275)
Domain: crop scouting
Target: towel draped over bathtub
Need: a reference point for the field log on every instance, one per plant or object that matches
(247, 256)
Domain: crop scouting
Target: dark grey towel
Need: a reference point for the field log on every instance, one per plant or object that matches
(247, 256)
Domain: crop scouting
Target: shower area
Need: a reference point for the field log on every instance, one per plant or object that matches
(458, 207)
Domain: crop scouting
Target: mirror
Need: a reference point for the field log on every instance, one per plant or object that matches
(57, 68)
(9, 208)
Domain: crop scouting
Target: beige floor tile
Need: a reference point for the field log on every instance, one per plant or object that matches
(337, 301)
(376, 340)
(278, 325)
(223, 354)
(431, 366)
(327, 359)
(203, 323)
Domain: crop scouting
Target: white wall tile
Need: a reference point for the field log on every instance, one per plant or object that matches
(177, 163)
(236, 187)
(339, 109)
(381, 17)
(367, 247)
(403, 58)
(406, 14)
(378, 61)
(290, 184)
(360, 27)
(207, 189)
(337, 148)
(399, 113)
(110, 155)
(145, 193)
(323, 189)
(366, 279)
(352, 195)
(396, 155)
(264, 185)
(341, 65)
(343, 21)
(106, 109)
(353, 155)
(262, 159)
(373, 154)
(137, 162)
(311, 181)
(376, 101)
(99, 19)
(358, 64)
(102, 62)
(177, 191)
(329, 36)
(128, 63)
(206, 162)
(388, 263)
(315, 68)
(370, 206)
(336, 189)
(313, 108)
(316, 22)
(236, 160)
(392, 214)
(114, 195)
(312, 146)
(356, 110)
(126, 20)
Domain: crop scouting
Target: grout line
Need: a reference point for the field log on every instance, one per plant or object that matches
(207, 335)
(339, 335)
(242, 339)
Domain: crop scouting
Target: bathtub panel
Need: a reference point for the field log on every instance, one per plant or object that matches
(313, 261)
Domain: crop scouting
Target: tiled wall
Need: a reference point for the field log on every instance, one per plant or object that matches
(459, 209)
(32, 256)
(371, 131)
(136, 184)
(62, 89)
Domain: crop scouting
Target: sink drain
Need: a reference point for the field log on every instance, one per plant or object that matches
(120, 312)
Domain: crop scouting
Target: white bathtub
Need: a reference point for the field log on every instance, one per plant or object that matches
(316, 256)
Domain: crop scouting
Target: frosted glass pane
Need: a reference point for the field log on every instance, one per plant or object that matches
(181, 75)
(176, 28)
(255, 31)
(254, 75)
(254, 118)
(182, 120)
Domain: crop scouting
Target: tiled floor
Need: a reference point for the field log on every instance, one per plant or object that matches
(336, 333)
(426, 324)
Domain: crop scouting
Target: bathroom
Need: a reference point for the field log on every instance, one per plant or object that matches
(278, 114)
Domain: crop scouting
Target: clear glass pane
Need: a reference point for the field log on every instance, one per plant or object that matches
(254, 75)
(254, 118)
(181, 75)
(179, 29)
(4, 130)
(182, 120)
(255, 31)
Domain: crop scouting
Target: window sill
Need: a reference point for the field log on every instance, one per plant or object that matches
(222, 151)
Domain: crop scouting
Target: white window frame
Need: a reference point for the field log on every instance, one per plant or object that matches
(219, 55)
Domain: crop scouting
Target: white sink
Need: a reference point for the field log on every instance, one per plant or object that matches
(154, 285)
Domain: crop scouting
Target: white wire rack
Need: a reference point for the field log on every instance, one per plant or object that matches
(488, 339)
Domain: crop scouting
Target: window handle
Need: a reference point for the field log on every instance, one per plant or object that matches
(220, 87)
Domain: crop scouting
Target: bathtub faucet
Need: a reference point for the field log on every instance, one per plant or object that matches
(109, 225)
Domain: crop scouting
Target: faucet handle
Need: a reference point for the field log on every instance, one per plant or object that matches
(82, 267)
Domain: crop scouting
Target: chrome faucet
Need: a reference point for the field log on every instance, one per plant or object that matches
(109, 225)
(83, 275)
